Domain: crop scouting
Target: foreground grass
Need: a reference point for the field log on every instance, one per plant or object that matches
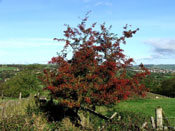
(133, 112)
(10, 107)
(140, 110)
(25, 115)
(147, 106)
(21, 115)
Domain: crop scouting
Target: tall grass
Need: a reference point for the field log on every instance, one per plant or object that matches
(133, 112)
(14, 107)
(21, 115)
(25, 115)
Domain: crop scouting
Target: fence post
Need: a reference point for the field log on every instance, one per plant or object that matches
(144, 125)
(38, 94)
(153, 122)
(2, 95)
(20, 96)
(159, 118)
(3, 113)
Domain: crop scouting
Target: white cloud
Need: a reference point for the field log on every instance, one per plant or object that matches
(28, 50)
(162, 46)
(162, 50)
(86, 1)
(29, 42)
(162, 43)
(98, 2)
(102, 3)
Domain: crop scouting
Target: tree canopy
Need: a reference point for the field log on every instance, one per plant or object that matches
(97, 72)
(25, 82)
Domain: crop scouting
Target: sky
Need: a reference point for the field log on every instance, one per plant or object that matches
(27, 27)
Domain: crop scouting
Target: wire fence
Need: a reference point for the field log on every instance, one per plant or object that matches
(159, 122)
(10, 107)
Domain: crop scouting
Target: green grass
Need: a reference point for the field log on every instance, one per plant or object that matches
(141, 109)
(22, 115)
(6, 68)
(148, 106)
(14, 106)
(5, 99)
(135, 110)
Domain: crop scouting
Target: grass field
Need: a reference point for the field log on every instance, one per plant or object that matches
(7, 68)
(134, 110)
(148, 106)
(143, 108)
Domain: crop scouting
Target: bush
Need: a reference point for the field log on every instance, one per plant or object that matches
(25, 82)
(153, 82)
(96, 73)
(168, 87)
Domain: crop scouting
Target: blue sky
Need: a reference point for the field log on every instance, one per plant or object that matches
(27, 27)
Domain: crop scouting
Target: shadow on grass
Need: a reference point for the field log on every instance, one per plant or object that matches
(57, 112)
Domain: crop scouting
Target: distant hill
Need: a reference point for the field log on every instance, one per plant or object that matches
(160, 66)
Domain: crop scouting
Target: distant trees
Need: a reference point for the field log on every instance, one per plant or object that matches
(160, 83)
(25, 82)
(96, 73)
(34, 67)
(167, 87)
(153, 82)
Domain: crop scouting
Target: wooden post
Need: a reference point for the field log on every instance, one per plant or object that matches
(144, 125)
(106, 124)
(88, 119)
(113, 115)
(20, 96)
(2, 95)
(95, 113)
(159, 118)
(153, 122)
(38, 94)
(3, 115)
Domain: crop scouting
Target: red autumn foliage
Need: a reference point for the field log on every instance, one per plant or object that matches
(97, 72)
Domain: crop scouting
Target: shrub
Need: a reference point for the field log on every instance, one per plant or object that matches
(25, 82)
(167, 87)
(96, 73)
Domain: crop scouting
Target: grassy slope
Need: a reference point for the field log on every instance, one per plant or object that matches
(144, 107)
(139, 106)
(148, 106)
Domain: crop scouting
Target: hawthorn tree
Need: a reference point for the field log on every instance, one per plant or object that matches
(97, 72)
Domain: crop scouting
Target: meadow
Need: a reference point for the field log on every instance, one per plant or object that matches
(139, 110)
(135, 111)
